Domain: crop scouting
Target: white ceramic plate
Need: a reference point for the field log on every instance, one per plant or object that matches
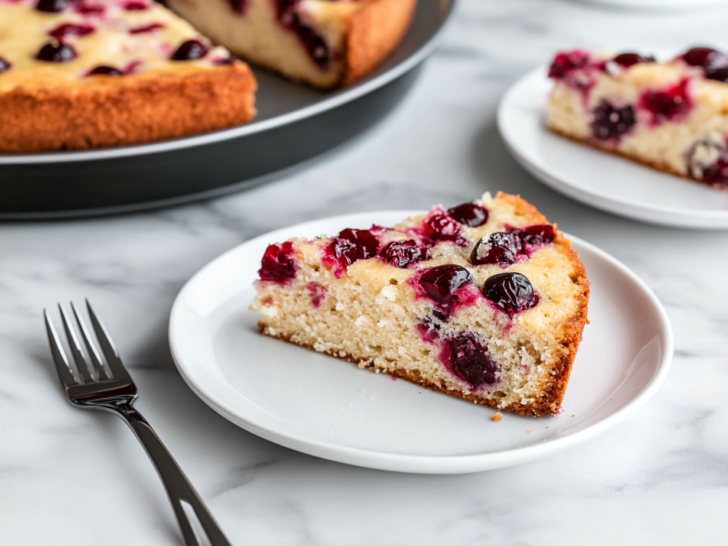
(599, 179)
(659, 4)
(329, 408)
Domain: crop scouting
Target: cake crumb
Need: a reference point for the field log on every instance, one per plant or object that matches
(530, 430)
(573, 414)
(373, 396)
(497, 417)
(392, 378)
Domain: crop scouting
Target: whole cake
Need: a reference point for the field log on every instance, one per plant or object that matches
(325, 43)
(672, 116)
(485, 301)
(77, 74)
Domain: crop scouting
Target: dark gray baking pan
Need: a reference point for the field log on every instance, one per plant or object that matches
(294, 124)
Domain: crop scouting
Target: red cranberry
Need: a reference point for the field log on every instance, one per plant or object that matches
(52, 6)
(440, 283)
(471, 362)
(631, 59)
(510, 292)
(441, 226)
(610, 122)
(56, 51)
(277, 264)
(538, 234)
(667, 105)
(318, 49)
(90, 9)
(191, 50)
(352, 245)
(568, 61)
(705, 57)
(146, 28)
(136, 5)
(104, 70)
(469, 214)
(402, 253)
(716, 174)
(4, 65)
(498, 248)
(68, 29)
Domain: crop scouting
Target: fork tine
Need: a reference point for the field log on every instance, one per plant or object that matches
(91, 349)
(65, 374)
(107, 346)
(81, 363)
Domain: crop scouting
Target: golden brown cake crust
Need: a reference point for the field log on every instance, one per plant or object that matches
(118, 111)
(374, 32)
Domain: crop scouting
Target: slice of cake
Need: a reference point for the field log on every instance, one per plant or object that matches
(485, 301)
(672, 116)
(325, 43)
(78, 74)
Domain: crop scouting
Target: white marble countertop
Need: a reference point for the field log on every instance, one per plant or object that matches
(74, 477)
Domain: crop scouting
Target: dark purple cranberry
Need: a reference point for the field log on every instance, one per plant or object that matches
(568, 61)
(707, 160)
(469, 214)
(56, 51)
(147, 28)
(52, 6)
(510, 292)
(104, 70)
(402, 253)
(440, 283)
(136, 5)
(630, 59)
(277, 264)
(669, 104)
(538, 234)
(716, 174)
(238, 6)
(69, 29)
(441, 226)
(498, 248)
(4, 65)
(705, 57)
(471, 362)
(610, 122)
(318, 49)
(191, 50)
(352, 245)
(224, 61)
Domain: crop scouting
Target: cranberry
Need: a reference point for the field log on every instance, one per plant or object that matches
(191, 50)
(352, 245)
(402, 253)
(705, 57)
(318, 49)
(91, 9)
(667, 105)
(147, 28)
(52, 6)
(568, 61)
(610, 122)
(277, 264)
(238, 6)
(69, 29)
(510, 292)
(469, 214)
(224, 61)
(136, 5)
(470, 361)
(441, 226)
(440, 283)
(4, 65)
(318, 294)
(708, 161)
(56, 51)
(631, 59)
(103, 70)
(498, 248)
(538, 234)
(716, 174)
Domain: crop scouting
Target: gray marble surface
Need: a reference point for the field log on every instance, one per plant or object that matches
(73, 477)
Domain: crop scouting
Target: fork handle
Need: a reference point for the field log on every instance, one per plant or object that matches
(179, 489)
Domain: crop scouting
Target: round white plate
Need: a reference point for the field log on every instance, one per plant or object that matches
(661, 5)
(330, 408)
(599, 179)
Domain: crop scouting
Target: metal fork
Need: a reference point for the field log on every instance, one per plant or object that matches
(109, 387)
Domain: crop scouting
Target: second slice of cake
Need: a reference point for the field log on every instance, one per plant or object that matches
(485, 301)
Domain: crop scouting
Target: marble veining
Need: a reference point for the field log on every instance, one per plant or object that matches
(659, 478)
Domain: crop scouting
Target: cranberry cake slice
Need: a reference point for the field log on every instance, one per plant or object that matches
(325, 43)
(672, 116)
(485, 301)
(77, 74)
